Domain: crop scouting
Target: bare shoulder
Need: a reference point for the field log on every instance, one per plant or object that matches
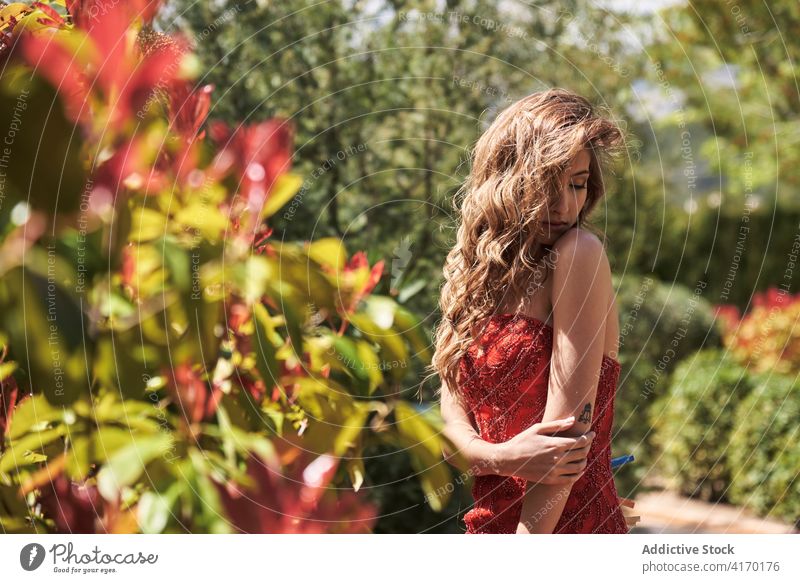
(582, 290)
(581, 254)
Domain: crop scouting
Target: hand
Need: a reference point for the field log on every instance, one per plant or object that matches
(544, 459)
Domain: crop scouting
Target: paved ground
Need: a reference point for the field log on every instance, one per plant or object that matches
(668, 513)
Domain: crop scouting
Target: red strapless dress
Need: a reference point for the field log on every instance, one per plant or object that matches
(505, 387)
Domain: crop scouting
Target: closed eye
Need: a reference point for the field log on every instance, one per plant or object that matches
(578, 186)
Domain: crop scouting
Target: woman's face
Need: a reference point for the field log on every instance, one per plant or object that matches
(564, 214)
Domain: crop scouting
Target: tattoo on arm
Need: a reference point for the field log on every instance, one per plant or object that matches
(586, 414)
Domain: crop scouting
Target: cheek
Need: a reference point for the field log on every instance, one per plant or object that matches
(580, 198)
(576, 199)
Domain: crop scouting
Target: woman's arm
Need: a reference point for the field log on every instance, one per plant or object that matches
(581, 287)
(529, 455)
(482, 457)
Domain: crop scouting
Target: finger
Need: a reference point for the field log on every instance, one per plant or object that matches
(575, 455)
(554, 426)
(569, 460)
(573, 452)
(584, 441)
(571, 470)
(567, 443)
(571, 467)
(627, 502)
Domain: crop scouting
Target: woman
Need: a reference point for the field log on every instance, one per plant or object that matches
(529, 334)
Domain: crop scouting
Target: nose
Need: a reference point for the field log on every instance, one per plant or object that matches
(559, 211)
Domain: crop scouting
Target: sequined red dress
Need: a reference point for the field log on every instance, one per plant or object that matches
(505, 387)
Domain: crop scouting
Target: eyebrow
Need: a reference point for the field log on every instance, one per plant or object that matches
(581, 172)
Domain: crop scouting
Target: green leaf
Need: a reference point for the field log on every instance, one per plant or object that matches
(285, 296)
(33, 414)
(264, 334)
(154, 510)
(410, 290)
(254, 276)
(351, 430)
(119, 363)
(356, 471)
(310, 285)
(275, 414)
(228, 437)
(209, 515)
(329, 407)
(372, 363)
(13, 511)
(45, 346)
(177, 261)
(381, 310)
(329, 252)
(45, 168)
(78, 457)
(98, 446)
(125, 467)
(424, 448)
(393, 348)
(7, 369)
(285, 187)
(412, 329)
(27, 450)
(147, 224)
(206, 218)
(112, 410)
(346, 353)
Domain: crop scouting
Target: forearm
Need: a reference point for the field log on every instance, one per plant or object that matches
(542, 508)
(482, 457)
(544, 504)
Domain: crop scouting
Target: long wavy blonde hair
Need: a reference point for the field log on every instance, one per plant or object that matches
(518, 165)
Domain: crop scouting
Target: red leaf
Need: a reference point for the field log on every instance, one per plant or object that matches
(189, 108)
(72, 506)
(108, 67)
(8, 400)
(273, 504)
(260, 152)
(193, 395)
(85, 12)
(374, 278)
(55, 18)
(46, 53)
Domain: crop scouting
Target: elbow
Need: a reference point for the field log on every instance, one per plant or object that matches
(460, 461)
(450, 452)
(450, 455)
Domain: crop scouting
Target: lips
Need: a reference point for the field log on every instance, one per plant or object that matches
(556, 225)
